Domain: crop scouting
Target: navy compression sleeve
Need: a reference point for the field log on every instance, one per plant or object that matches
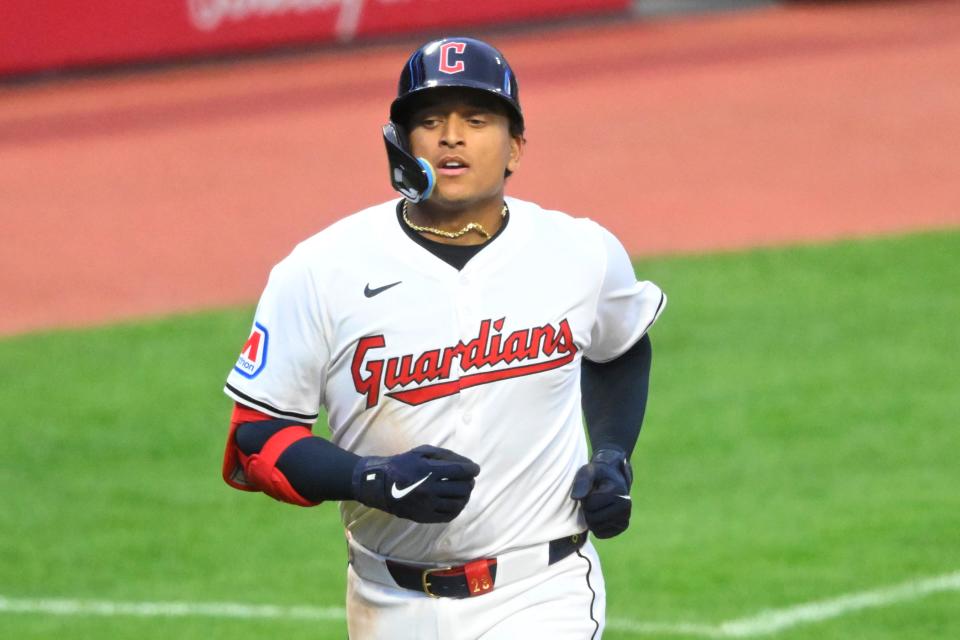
(615, 397)
(316, 468)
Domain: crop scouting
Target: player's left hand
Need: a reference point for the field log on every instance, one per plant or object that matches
(603, 489)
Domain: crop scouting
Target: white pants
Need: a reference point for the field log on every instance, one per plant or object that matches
(562, 601)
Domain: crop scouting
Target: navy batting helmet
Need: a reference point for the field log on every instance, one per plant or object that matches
(457, 62)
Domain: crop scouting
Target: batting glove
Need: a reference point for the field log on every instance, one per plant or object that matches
(603, 489)
(426, 484)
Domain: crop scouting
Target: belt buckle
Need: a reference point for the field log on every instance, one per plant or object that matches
(426, 574)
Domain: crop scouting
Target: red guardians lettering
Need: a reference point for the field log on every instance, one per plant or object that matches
(446, 49)
(431, 369)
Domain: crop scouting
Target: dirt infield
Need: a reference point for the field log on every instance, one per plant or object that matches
(137, 194)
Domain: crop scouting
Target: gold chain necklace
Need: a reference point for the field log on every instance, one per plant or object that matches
(473, 226)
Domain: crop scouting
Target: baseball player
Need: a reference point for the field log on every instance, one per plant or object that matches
(456, 339)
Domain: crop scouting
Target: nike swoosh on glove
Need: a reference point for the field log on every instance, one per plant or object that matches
(603, 489)
(426, 484)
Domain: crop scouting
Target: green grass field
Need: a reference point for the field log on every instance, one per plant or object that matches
(802, 442)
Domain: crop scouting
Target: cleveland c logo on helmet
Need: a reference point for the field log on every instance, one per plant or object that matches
(445, 50)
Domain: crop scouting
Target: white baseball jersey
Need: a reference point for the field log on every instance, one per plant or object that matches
(402, 350)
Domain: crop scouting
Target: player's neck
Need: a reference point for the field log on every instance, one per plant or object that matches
(487, 214)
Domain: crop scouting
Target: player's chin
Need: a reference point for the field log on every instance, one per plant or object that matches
(452, 192)
(459, 195)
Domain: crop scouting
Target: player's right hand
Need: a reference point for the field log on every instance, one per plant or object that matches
(426, 484)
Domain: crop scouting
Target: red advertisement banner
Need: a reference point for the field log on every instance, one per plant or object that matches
(50, 34)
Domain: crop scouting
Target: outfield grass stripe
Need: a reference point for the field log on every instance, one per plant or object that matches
(765, 623)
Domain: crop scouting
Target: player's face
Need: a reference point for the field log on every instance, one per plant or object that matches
(469, 144)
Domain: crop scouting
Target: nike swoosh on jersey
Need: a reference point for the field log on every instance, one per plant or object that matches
(367, 291)
(398, 493)
(625, 497)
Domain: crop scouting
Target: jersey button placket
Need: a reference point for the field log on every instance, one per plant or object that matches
(469, 329)
(465, 310)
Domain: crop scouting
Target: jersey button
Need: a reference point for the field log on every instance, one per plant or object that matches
(467, 417)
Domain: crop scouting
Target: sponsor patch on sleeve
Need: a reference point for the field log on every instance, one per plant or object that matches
(253, 356)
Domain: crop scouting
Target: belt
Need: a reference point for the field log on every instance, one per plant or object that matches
(474, 578)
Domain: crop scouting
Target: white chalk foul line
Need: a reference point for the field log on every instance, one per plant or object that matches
(774, 620)
(166, 609)
(764, 623)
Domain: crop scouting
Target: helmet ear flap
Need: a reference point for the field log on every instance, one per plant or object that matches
(414, 178)
(398, 135)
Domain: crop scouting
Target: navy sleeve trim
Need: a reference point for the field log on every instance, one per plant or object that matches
(656, 314)
(593, 595)
(266, 408)
(643, 334)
